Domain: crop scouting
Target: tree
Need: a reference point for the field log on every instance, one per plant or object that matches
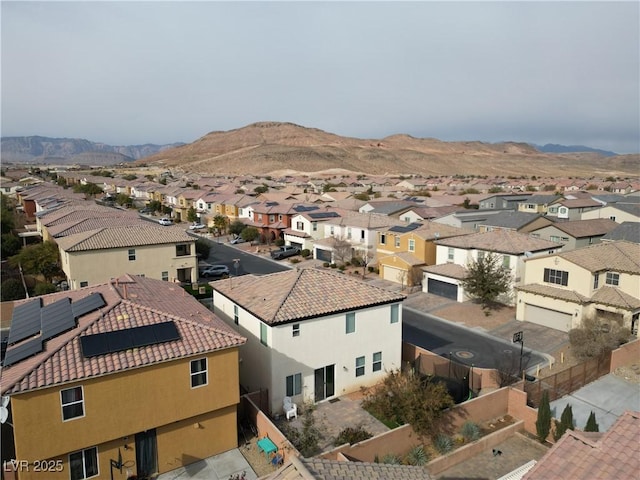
(597, 336)
(43, 288)
(89, 189)
(261, 189)
(220, 223)
(192, 215)
(7, 215)
(249, 234)
(123, 199)
(407, 397)
(543, 422)
(154, 205)
(591, 425)
(12, 289)
(129, 177)
(202, 248)
(565, 423)
(486, 280)
(41, 258)
(236, 227)
(341, 249)
(10, 245)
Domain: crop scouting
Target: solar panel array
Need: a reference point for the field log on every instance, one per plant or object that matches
(317, 215)
(110, 342)
(31, 319)
(405, 229)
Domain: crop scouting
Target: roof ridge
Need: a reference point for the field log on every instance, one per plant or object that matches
(286, 297)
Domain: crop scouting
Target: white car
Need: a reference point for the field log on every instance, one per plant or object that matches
(165, 221)
(237, 240)
(196, 226)
(221, 271)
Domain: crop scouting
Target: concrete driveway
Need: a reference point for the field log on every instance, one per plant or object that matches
(219, 467)
(608, 397)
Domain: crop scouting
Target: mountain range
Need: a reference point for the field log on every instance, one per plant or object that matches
(275, 148)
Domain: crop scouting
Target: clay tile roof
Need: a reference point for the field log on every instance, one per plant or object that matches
(131, 301)
(501, 241)
(553, 292)
(616, 298)
(451, 270)
(83, 225)
(611, 256)
(338, 470)
(300, 294)
(587, 228)
(613, 454)
(125, 236)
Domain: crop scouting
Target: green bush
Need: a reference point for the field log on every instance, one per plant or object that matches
(342, 268)
(43, 288)
(470, 431)
(279, 242)
(370, 269)
(325, 264)
(417, 456)
(351, 435)
(295, 260)
(443, 443)
(391, 459)
(333, 265)
(305, 252)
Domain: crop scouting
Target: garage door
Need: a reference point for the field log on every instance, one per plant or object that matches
(547, 317)
(394, 274)
(295, 244)
(444, 289)
(324, 255)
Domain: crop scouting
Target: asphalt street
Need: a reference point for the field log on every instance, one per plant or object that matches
(464, 344)
(224, 254)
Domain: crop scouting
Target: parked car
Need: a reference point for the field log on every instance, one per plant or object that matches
(196, 226)
(285, 252)
(165, 221)
(237, 240)
(146, 210)
(215, 271)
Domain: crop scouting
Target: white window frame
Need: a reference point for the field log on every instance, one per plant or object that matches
(235, 314)
(196, 375)
(360, 366)
(450, 254)
(74, 402)
(395, 313)
(295, 330)
(383, 238)
(412, 245)
(264, 339)
(165, 276)
(397, 241)
(376, 364)
(83, 452)
(350, 322)
(296, 384)
(132, 254)
(613, 279)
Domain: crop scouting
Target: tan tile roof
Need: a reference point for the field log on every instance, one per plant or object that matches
(616, 298)
(611, 256)
(120, 237)
(75, 212)
(554, 292)
(452, 270)
(93, 223)
(609, 455)
(299, 294)
(132, 301)
(586, 228)
(501, 241)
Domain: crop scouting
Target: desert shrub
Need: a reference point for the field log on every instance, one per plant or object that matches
(391, 459)
(43, 288)
(305, 252)
(342, 268)
(443, 443)
(333, 265)
(307, 439)
(470, 431)
(278, 242)
(351, 435)
(325, 264)
(417, 456)
(370, 269)
(294, 260)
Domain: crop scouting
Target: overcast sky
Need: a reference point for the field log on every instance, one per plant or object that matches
(128, 73)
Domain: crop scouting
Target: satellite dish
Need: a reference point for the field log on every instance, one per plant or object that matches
(4, 414)
(5, 400)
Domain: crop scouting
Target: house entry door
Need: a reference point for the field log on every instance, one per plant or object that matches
(146, 454)
(324, 382)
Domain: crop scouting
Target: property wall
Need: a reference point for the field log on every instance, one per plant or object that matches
(626, 354)
(98, 266)
(117, 406)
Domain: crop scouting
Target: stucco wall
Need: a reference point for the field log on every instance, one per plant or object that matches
(626, 354)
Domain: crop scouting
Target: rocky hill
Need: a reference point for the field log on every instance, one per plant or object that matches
(46, 150)
(276, 148)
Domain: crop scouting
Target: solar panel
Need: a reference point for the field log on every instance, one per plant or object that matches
(25, 321)
(87, 304)
(405, 228)
(22, 351)
(323, 215)
(56, 318)
(110, 342)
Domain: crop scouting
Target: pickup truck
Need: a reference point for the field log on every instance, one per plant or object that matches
(284, 252)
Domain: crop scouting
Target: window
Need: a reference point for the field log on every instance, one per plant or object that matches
(359, 366)
(412, 245)
(331, 230)
(596, 281)
(279, 217)
(450, 254)
(165, 276)
(299, 226)
(351, 322)
(235, 314)
(564, 239)
(72, 403)
(294, 384)
(613, 279)
(84, 464)
(272, 218)
(530, 206)
(612, 217)
(506, 261)
(348, 232)
(397, 241)
(558, 277)
(394, 313)
(295, 330)
(555, 238)
(314, 226)
(84, 284)
(263, 333)
(377, 361)
(198, 372)
(183, 250)
(481, 254)
(383, 239)
(132, 254)
(553, 209)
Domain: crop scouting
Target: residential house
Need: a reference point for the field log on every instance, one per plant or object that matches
(131, 370)
(95, 256)
(308, 227)
(311, 334)
(512, 248)
(502, 201)
(418, 214)
(618, 212)
(561, 289)
(610, 454)
(629, 231)
(572, 209)
(469, 219)
(522, 222)
(386, 207)
(537, 203)
(575, 234)
(403, 248)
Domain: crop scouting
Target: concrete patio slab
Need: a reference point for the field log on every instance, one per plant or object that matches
(219, 467)
(609, 397)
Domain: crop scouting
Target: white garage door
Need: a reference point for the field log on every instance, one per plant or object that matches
(394, 274)
(547, 317)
